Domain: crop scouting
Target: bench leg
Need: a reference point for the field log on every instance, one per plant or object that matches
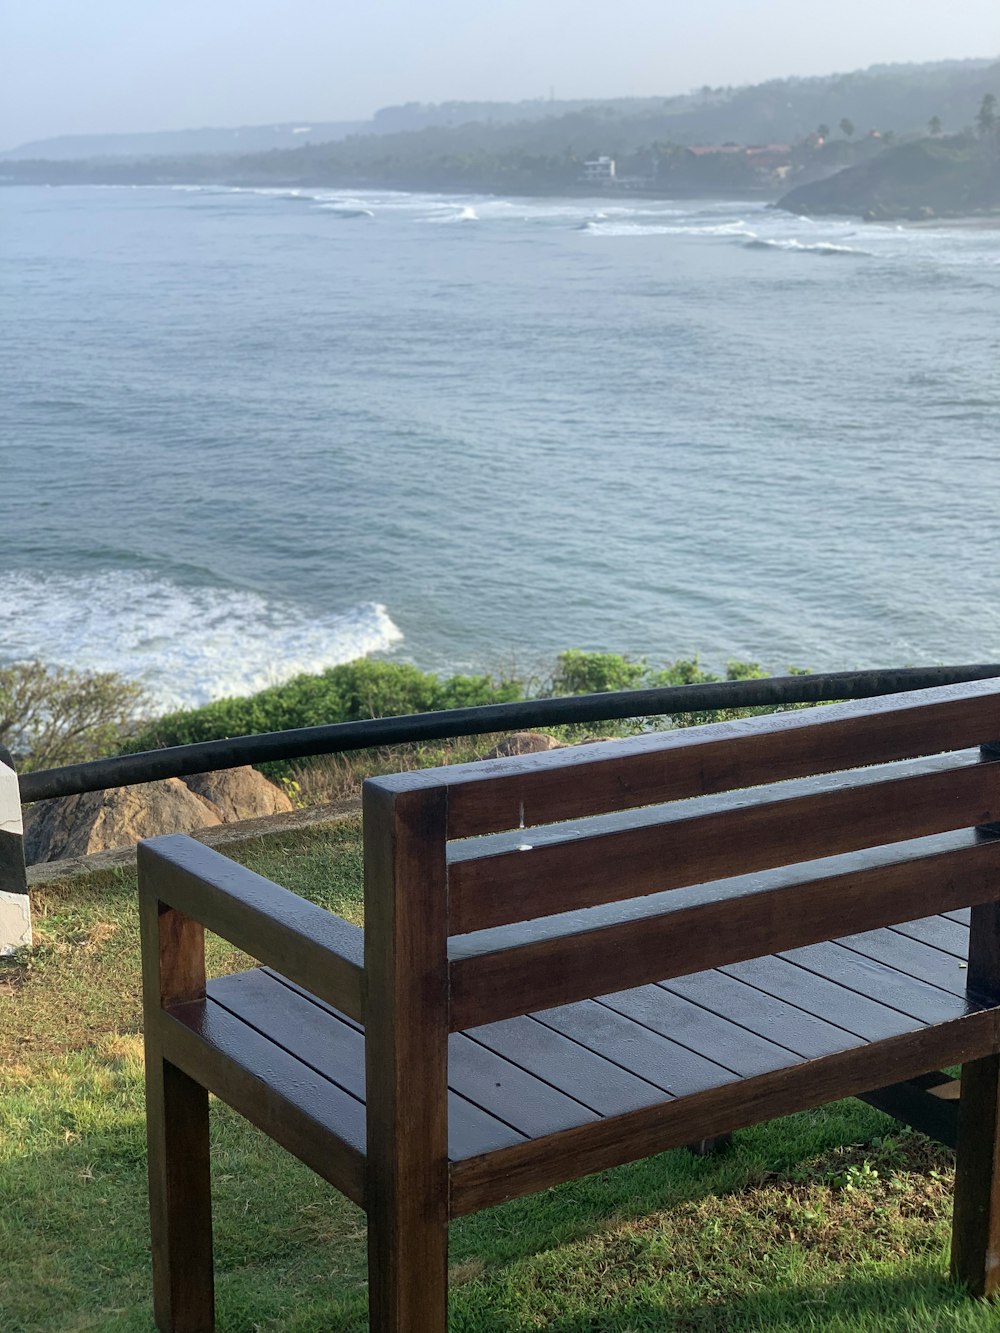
(975, 1249)
(179, 1199)
(710, 1147)
(407, 1275)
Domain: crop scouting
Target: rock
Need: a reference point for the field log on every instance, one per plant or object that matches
(240, 793)
(522, 742)
(97, 821)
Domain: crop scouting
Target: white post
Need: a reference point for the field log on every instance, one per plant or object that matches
(15, 912)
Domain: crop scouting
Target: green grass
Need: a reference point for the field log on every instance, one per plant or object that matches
(833, 1221)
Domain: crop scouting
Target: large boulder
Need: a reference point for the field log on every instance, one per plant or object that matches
(240, 793)
(97, 821)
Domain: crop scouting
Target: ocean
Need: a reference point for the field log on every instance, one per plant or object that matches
(247, 433)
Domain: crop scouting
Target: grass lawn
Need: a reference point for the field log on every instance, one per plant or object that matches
(834, 1220)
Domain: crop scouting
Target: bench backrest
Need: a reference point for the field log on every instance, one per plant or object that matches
(740, 838)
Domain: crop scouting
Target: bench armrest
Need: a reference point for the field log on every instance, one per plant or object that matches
(304, 942)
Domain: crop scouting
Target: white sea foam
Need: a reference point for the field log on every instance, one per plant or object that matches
(186, 644)
(614, 228)
(818, 247)
(456, 213)
(346, 211)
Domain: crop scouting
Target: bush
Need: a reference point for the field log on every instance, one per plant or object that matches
(50, 716)
(578, 672)
(369, 689)
(595, 673)
(347, 693)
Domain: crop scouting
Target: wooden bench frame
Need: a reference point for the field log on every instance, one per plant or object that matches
(506, 887)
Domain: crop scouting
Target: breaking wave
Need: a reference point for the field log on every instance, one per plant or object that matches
(339, 211)
(604, 227)
(818, 248)
(187, 645)
(458, 213)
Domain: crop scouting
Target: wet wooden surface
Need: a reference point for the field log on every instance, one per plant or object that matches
(515, 1082)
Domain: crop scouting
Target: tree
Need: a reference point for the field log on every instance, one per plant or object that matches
(986, 116)
(847, 128)
(823, 131)
(51, 716)
(934, 126)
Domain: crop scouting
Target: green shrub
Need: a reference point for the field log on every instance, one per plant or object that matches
(578, 672)
(369, 689)
(347, 693)
(594, 673)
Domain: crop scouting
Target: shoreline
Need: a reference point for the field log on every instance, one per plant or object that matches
(961, 221)
(770, 200)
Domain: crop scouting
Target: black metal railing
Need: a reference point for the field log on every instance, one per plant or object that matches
(341, 737)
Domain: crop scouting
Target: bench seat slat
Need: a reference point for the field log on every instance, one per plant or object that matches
(745, 1053)
(755, 1010)
(597, 1082)
(580, 1081)
(915, 957)
(480, 1182)
(674, 1068)
(535, 1079)
(864, 1018)
(318, 1036)
(910, 994)
(941, 932)
(319, 1122)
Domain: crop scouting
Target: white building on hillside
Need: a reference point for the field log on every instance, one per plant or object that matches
(601, 171)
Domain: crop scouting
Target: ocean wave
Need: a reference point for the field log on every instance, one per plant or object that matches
(801, 247)
(458, 213)
(340, 211)
(187, 645)
(612, 228)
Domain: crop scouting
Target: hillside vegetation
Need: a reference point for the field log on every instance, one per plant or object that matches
(539, 147)
(928, 178)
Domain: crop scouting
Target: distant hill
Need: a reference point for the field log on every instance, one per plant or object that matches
(898, 97)
(928, 178)
(181, 143)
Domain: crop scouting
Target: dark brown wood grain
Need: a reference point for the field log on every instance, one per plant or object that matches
(917, 1103)
(975, 1249)
(485, 1181)
(333, 1046)
(885, 973)
(731, 922)
(272, 924)
(281, 1097)
(493, 795)
(975, 1246)
(180, 1204)
(739, 833)
(983, 977)
(406, 1038)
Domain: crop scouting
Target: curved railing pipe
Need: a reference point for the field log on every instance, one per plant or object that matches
(340, 737)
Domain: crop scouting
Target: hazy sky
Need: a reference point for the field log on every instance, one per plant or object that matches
(82, 66)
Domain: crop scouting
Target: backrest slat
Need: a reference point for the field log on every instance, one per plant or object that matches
(558, 960)
(597, 868)
(495, 795)
(494, 881)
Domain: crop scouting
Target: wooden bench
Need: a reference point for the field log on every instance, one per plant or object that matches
(774, 913)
